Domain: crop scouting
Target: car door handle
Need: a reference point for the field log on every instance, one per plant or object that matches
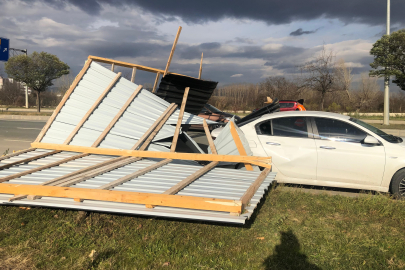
(273, 143)
(327, 147)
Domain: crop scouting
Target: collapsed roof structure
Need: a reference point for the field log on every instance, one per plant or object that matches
(106, 148)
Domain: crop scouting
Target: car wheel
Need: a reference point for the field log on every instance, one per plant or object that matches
(397, 186)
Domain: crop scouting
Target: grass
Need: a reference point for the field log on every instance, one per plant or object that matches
(391, 126)
(25, 113)
(375, 117)
(292, 230)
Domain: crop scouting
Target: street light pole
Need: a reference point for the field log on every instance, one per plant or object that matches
(26, 87)
(387, 78)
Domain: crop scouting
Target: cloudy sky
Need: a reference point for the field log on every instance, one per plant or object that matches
(242, 41)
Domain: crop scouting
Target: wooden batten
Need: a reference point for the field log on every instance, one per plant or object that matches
(187, 181)
(156, 82)
(80, 194)
(6, 166)
(172, 51)
(239, 144)
(250, 192)
(133, 74)
(64, 99)
(209, 138)
(93, 107)
(16, 153)
(179, 120)
(200, 72)
(259, 161)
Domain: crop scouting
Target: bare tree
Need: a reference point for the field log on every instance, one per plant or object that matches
(344, 76)
(320, 75)
(367, 93)
(11, 92)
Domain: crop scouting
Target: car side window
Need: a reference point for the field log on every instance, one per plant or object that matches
(290, 127)
(264, 128)
(336, 130)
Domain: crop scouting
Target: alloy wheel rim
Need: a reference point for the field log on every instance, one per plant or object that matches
(402, 187)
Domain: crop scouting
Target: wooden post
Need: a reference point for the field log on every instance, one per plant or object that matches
(171, 53)
(112, 67)
(63, 101)
(180, 120)
(199, 74)
(87, 115)
(133, 74)
(209, 138)
(239, 144)
(156, 82)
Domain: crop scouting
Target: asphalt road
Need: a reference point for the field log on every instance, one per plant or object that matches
(18, 135)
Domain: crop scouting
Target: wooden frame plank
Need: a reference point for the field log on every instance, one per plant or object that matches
(17, 153)
(209, 138)
(200, 72)
(117, 117)
(179, 120)
(64, 99)
(172, 51)
(152, 128)
(185, 182)
(40, 168)
(131, 65)
(239, 144)
(97, 172)
(133, 74)
(156, 81)
(178, 201)
(6, 166)
(93, 107)
(250, 192)
(69, 176)
(259, 161)
(135, 174)
(112, 67)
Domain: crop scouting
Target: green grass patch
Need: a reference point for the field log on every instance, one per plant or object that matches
(375, 117)
(391, 126)
(25, 113)
(292, 230)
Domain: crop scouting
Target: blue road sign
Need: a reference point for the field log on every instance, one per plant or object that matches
(4, 49)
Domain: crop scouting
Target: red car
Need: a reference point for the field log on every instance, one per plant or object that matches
(291, 105)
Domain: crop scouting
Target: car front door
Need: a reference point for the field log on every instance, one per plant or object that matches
(342, 157)
(289, 141)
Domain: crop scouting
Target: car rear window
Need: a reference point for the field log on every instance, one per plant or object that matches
(287, 105)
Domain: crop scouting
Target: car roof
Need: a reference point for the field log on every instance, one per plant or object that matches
(307, 113)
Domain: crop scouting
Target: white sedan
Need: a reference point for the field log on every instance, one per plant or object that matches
(328, 149)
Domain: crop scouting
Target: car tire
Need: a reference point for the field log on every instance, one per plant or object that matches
(397, 185)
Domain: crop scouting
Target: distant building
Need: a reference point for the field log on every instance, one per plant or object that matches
(11, 80)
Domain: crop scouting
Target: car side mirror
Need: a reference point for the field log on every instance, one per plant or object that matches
(371, 140)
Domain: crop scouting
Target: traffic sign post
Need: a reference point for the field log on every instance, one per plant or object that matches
(4, 49)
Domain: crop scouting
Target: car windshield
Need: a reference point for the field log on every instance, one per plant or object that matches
(212, 108)
(388, 137)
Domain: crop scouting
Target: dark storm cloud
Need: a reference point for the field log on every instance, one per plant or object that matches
(300, 32)
(270, 11)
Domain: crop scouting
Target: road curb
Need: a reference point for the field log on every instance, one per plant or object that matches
(24, 117)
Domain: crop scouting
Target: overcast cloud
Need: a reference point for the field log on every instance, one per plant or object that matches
(242, 41)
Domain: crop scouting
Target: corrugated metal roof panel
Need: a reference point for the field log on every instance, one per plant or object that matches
(217, 183)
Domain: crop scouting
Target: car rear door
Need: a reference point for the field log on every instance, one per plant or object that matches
(342, 157)
(289, 141)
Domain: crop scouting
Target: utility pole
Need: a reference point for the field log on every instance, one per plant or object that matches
(387, 78)
(26, 87)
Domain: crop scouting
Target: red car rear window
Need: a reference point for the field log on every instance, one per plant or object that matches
(287, 105)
